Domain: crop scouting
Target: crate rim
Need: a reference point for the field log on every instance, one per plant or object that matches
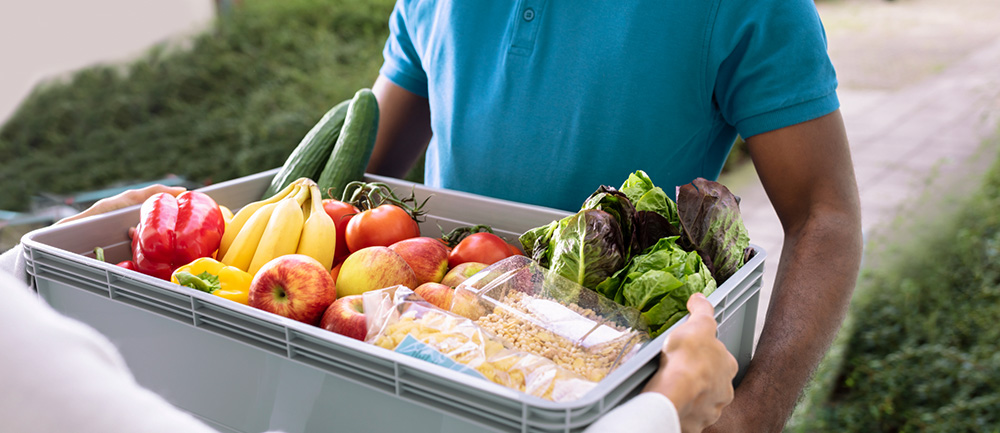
(35, 241)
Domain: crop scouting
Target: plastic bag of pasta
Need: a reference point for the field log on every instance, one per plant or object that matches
(545, 314)
(401, 321)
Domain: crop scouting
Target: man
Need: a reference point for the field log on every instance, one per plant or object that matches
(542, 101)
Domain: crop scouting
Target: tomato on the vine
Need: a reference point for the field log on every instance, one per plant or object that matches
(480, 247)
(340, 212)
(380, 226)
(515, 250)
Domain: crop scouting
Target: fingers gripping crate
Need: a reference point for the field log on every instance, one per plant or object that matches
(243, 369)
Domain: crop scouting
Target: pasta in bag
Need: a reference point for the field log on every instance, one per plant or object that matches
(402, 321)
(542, 313)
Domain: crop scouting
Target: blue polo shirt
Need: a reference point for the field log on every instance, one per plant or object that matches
(542, 101)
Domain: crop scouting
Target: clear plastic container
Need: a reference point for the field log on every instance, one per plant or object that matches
(405, 323)
(545, 314)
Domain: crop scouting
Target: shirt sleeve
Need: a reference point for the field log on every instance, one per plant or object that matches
(63, 375)
(12, 262)
(773, 67)
(645, 413)
(402, 63)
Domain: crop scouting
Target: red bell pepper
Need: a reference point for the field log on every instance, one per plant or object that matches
(173, 232)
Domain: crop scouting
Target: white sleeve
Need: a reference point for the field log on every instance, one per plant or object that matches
(645, 413)
(61, 375)
(12, 262)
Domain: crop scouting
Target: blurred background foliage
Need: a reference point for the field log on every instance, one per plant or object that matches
(232, 101)
(918, 352)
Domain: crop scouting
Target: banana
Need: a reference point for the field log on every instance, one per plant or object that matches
(319, 233)
(241, 252)
(243, 216)
(281, 236)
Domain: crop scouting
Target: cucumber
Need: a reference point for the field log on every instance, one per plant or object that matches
(350, 155)
(310, 156)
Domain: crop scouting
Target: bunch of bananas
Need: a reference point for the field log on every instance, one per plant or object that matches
(290, 222)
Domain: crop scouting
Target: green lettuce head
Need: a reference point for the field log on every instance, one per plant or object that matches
(659, 283)
(712, 226)
(586, 247)
(645, 196)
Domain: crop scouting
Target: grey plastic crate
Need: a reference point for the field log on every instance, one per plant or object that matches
(243, 369)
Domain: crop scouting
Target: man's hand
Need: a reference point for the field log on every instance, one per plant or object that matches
(125, 199)
(696, 371)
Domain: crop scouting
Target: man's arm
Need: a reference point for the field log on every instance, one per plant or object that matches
(807, 173)
(404, 129)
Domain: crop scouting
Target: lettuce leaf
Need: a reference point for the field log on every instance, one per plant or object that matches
(535, 243)
(586, 247)
(615, 202)
(659, 283)
(645, 196)
(712, 226)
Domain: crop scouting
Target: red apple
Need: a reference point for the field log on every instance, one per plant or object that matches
(295, 286)
(346, 316)
(428, 257)
(373, 268)
(436, 293)
(460, 273)
(466, 303)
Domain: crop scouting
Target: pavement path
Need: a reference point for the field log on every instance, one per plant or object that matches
(913, 136)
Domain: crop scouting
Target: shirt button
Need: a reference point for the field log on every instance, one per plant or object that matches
(529, 14)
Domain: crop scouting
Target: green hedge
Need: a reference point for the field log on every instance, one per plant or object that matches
(233, 102)
(921, 352)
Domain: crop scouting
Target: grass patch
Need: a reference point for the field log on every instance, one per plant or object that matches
(234, 101)
(918, 350)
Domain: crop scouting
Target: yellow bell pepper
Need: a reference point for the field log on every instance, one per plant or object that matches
(210, 275)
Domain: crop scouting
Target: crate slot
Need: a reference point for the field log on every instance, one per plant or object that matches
(459, 395)
(324, 351)
(75, 268)
(238, 320)
(377, 382)
(449, 402)
(153, 306)
(87, 286)
(144, 288)
(276, 347)
(735, 305)
(91, 281)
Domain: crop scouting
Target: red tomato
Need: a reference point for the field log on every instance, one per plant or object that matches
(341, 213)
(381, 226)
(335, 272)
(480, 247)
(515, 250)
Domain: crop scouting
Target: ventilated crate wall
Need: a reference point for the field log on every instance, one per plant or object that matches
(243, 369)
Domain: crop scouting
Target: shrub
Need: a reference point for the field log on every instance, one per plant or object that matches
(234, 102)
(921, 355)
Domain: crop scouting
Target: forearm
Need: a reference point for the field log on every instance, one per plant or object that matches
(816, 276)
(403, 130)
